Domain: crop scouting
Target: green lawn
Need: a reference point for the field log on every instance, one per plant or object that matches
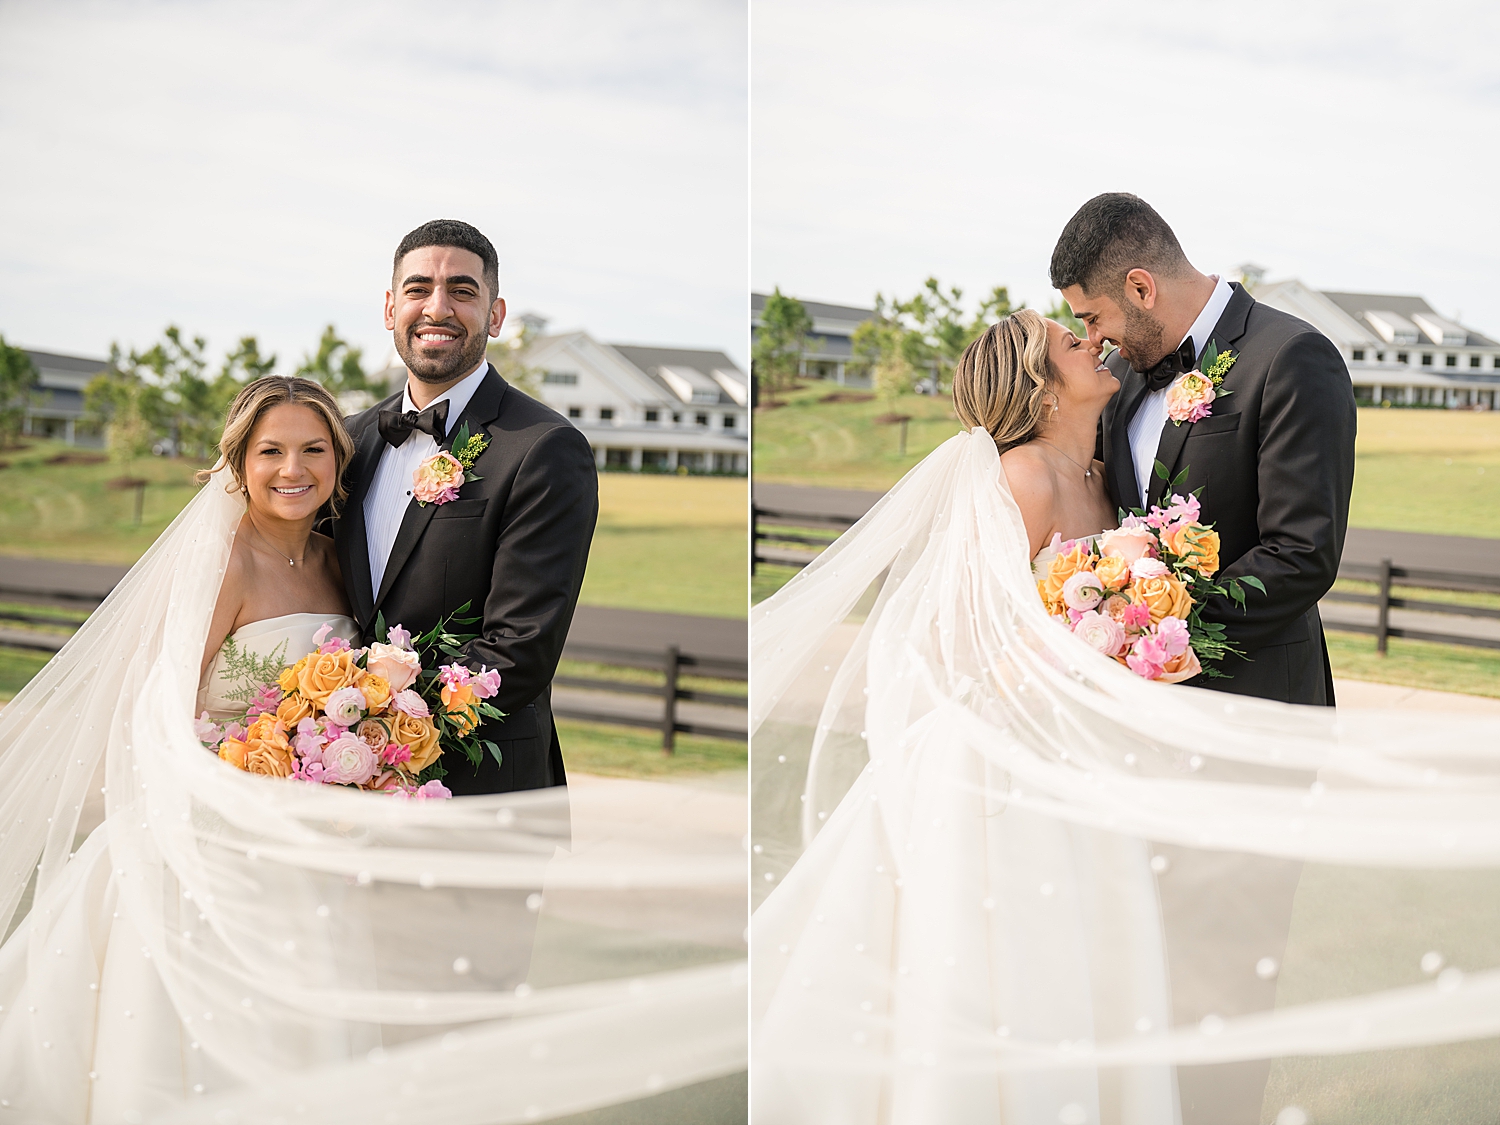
(636, 752)
(1418, 664)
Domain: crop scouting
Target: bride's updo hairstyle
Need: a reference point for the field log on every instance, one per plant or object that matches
(251, 404)
(1002, 380)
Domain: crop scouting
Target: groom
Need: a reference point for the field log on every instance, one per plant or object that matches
(1275, 460)
(512, 545)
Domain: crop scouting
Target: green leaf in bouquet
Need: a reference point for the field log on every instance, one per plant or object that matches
(382, 634)
(1160, 470)
(1253, 582)
(490, 712)
(1237, 595)
(1210, 357)
(434, 772)
(250, 672)
(1179, 478)
(494, 752)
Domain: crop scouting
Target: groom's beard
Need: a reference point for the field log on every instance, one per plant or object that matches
(437, 370)
(1142, 339)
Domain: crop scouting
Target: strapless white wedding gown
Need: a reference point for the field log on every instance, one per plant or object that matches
(291, 633)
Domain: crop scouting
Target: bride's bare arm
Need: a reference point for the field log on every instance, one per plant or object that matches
(1034, 488)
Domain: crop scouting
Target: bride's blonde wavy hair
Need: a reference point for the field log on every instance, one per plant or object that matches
(251, 404)
(1003, 378)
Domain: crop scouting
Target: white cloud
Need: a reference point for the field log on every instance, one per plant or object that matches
(239, 168)
(1351, 145)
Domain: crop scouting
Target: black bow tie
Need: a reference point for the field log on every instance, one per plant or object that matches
(396, 426)
(1171, 366)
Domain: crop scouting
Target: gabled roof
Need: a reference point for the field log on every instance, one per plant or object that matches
(56, 361)
(1357, 304)
(651, 361)
(818, 309)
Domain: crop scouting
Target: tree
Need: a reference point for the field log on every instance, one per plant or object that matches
(926, 333)
(121, 398)
(1061, 313)
(508, 359)
(17, 376)
(339, 366)
(776, 357)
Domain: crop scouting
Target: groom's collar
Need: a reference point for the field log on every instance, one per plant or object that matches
(458, 395)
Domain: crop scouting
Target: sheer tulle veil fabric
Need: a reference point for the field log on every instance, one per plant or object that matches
(191, 943)
(1003, 878)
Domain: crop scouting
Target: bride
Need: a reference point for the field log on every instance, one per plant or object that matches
(983, 847)
(188, 942)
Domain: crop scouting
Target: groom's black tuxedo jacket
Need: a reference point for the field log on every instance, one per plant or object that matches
(513, 545)
(1275, 460)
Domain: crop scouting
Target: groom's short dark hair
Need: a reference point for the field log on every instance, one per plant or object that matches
(1111, 235)
(453, 232)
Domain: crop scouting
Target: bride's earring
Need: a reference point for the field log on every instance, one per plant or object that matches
(1053, 416)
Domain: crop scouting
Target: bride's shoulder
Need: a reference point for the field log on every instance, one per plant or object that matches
(1027, 473)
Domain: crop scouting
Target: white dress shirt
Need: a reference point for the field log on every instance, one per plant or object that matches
(390, 490)
(1144, 430)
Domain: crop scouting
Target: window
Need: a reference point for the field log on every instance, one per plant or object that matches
(617, 458)
(1358, 355)
(700, 419)
(575, 412)
(729, 421)
(1380, 357)
(1450, 361)
(1426, 359)
(653, 458)
(560, 378)
(1403, 357)
(676, 418)
(1474, 361)
(606, 414)
(653, 415)
(1497, 361)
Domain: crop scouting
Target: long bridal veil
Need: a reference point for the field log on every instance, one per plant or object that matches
(190, 943)
(1002, 878)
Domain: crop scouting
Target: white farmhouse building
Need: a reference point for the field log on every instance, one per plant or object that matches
(1399, 350)
(830, 344)
(54, 408)
(666, 409)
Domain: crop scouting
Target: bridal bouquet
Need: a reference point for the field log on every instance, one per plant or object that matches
(1137, 593)
(377, 718)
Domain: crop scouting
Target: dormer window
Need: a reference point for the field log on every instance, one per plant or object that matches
(1358, 355)
(700, 419)
(1450, 361)
(606, 414)
(1426, 359)
(653, 415)
(1475, 361)
(1403, 357)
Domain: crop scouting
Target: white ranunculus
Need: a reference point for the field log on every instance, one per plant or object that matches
(349, 760)
(1100, 632)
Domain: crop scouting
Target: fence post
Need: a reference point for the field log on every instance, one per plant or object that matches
(669, 702)
(1383, 609)
(754, 537)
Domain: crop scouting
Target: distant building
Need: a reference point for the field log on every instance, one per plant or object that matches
(830, 345)
(1398, 349)
(647, 408)
(56, 406)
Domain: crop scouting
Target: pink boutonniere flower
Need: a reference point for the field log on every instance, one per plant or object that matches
(1191, 397)
(438, 479)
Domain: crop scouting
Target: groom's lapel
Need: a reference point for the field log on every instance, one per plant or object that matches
(1231, 327)
(356, 560)
(483, 408)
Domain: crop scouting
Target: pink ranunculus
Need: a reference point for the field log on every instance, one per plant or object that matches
(398, 666)
(1174, 636)
(486, 683)
(345, 706)
(438, 479)
(349, 760)
(454, 675)
(1190, 398)
(1100, 632)
(410, 703)
(399, 637)
(1147, 568)
(1130, 543)
(1083, 590)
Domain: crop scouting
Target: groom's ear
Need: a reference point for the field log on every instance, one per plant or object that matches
(497, 315)
(1140, 288)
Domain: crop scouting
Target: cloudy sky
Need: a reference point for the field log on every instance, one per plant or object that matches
(1352, 145)
(249, 168)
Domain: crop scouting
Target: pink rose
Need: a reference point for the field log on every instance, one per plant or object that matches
(410, 703)
(345, 706)
(1189, 399)
(438, 479)
(397, 666)
(1082, 591)
(349, 760)
(1130, 543)
(1101, 633)
(1147, 568)
(1173, 634)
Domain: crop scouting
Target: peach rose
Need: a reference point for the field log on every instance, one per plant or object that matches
(397, 666)
(1063, 567)
(1163, 596)
(293, 710)
(418, 735)
(376, 690)
(462, 709)
(1189, 398)
(438, 479)
(269, 758)
(1128, 543)
(324, 673)
(232, 750)
(1113, 572)
(287, 681)
(373, 734)
(1197, 545)
(1183, 666)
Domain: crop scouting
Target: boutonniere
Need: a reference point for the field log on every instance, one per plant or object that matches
(438, 479)
(1191, 398)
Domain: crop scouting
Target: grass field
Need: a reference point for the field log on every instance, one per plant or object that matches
(669, 543)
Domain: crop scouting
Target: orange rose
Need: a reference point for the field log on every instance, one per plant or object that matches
(1064, 567)
(232, 750)
(324, 673)
(288, 678)
(1196, 545)
(1183, 666)
(462, 710)
(1165, 596)
(269, 758)
(419, 735)
(376, 690)
(1113, 572)
(293, 710)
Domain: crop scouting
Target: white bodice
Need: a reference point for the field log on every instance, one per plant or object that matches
(293, 630)
(1044, 557)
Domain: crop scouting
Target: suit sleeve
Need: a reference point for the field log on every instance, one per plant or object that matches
(539, 562)
(1304, 474)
